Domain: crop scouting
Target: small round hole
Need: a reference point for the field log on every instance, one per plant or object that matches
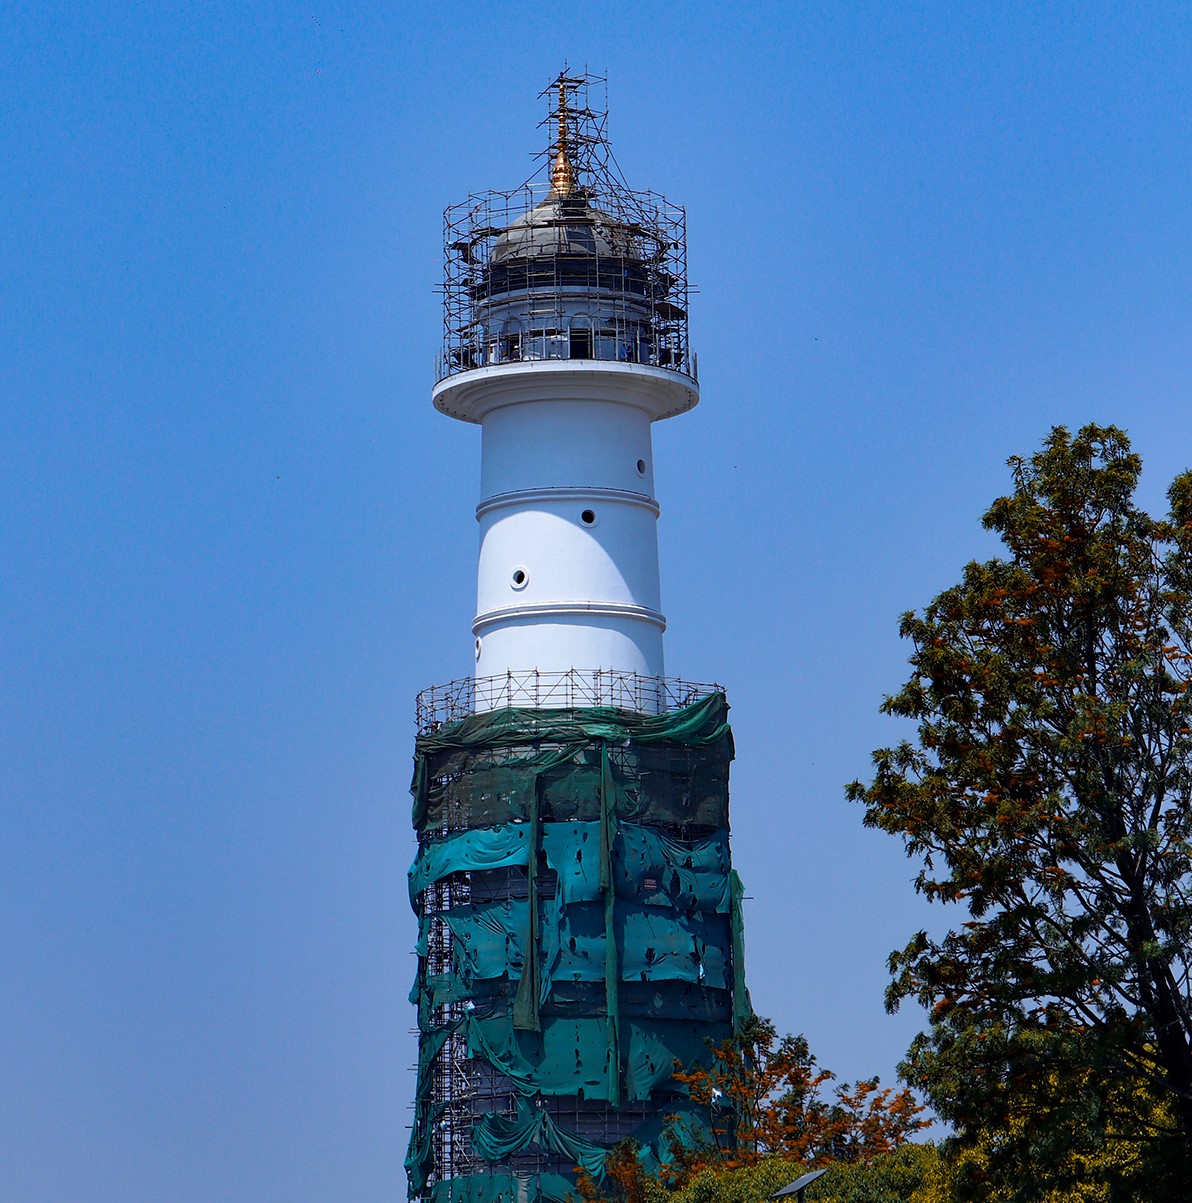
(520, 578)
(641, 467)
(588, 517)
(477, 647)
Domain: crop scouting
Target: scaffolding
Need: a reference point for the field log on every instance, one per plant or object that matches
(574, 266)
(580, 932)
(572, 689)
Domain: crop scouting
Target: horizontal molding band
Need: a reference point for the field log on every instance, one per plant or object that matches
(518, 497)
(570, 609)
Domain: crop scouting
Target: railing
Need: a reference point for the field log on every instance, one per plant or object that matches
(571, 690)
(448, 365)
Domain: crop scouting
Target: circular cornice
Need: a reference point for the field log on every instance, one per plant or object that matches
(470, 396)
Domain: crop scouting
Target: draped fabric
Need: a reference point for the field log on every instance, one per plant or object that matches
(598, 941)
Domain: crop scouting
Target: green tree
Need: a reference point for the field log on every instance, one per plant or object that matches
(1105, 1161)
(912, 1173)
(1049, 794)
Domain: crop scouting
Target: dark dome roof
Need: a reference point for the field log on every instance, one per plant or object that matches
(562, 225)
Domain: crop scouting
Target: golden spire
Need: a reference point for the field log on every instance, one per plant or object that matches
(562, 174)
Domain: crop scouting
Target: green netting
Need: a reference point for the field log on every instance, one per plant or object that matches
(742, 1007)
(618, 955)
(420, 1155)
(656, 869)
(525, 1006)
(497, 1137)
(569, 1055)
(612, 1002)
(703, 722)
(482, 848)
(504, 1187)
(485, 770)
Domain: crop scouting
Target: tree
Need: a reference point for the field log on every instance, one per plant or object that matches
(766, 1122)
(761, 1096)
(912, 1173)
(1049, 794)
(1100, 1162)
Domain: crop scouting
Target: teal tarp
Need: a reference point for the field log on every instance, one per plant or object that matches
(652, 945)
(497, 1137)
(647, 865)
(570, 1053)
(703, 722)
(620, 952)
(504, 1187)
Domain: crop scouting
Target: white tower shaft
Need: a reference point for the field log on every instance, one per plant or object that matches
(568, 575)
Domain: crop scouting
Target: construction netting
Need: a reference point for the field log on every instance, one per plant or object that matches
(580, 935)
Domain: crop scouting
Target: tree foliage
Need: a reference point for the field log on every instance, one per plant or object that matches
(912, 1173)
(765, 1096)
(1049, 794)
(769, 1117)
(1100, 1162)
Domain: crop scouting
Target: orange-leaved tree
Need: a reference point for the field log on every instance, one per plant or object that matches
(625, 1179)
(762, 1095)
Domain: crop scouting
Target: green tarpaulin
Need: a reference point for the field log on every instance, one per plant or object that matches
(502, 1186)
(576, 866)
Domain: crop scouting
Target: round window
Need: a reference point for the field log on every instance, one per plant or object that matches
(641, 467)
(520, 578)
(588, 517)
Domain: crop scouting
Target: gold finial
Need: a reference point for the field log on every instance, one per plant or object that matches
(562, 174)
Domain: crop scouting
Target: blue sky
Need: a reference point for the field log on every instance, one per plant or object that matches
(235, 538)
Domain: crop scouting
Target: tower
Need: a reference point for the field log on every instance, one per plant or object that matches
(579, 921)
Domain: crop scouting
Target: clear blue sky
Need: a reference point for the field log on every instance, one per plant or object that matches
(235, 539)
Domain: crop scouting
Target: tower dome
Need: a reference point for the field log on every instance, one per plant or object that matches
(562, 225)
(565, 223)
(567, 280)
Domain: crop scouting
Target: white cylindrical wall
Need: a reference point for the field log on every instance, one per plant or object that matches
(577, 547)
(568, 568)
(581, 560)
(552, 640)
(563, 443)
(568, 573)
